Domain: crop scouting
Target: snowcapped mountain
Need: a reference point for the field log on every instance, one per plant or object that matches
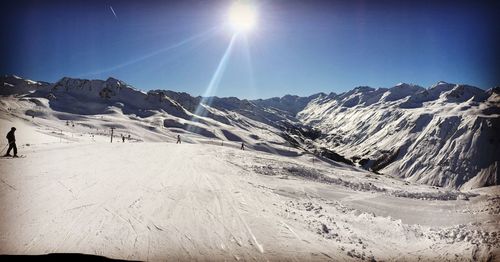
(12, 84)
(81, 96)
(90, 97)
(289, 104)
(444, 135)
(275, 200)
(156, 115)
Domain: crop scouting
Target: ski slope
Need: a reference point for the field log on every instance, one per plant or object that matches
(444, 135)
(203, 201)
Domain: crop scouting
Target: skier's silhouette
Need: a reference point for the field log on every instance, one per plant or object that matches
(123, 139)
(11, 138)
(178, 139)
(242, 146)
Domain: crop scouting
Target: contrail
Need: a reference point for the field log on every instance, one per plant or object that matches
(112, 10)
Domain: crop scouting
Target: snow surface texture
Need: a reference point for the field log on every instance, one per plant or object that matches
(152, 199)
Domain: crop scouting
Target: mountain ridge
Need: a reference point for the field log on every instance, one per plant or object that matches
(442, 135)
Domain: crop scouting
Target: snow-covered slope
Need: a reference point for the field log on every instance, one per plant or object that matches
(77, 193)
(446, 135)
(11, 84)
(147, 198)
(97, 105)
(289, 104)
(443, 135)
(90, 97)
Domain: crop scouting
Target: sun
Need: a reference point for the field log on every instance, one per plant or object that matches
(242, 17)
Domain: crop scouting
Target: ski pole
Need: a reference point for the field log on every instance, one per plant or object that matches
(4, 148)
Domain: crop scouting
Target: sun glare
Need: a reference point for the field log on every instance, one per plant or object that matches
(242, 17)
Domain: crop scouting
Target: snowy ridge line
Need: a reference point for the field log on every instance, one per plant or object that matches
(444, 135)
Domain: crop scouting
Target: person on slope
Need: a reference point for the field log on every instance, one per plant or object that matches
(242, 146)
(178, 139)
(123, 139)
(11, 138)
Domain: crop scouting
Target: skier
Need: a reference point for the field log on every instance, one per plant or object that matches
(178, 139)
(11, 138)
(123, 139)
(242, 146)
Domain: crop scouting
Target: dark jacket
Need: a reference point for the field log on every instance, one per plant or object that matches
(11, 137)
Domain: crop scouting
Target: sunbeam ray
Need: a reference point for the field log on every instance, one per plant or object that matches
(216, 78)
(152, 54)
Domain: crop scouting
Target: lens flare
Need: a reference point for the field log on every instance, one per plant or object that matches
(242, 17)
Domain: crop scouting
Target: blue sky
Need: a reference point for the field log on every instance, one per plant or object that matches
(297, 47)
